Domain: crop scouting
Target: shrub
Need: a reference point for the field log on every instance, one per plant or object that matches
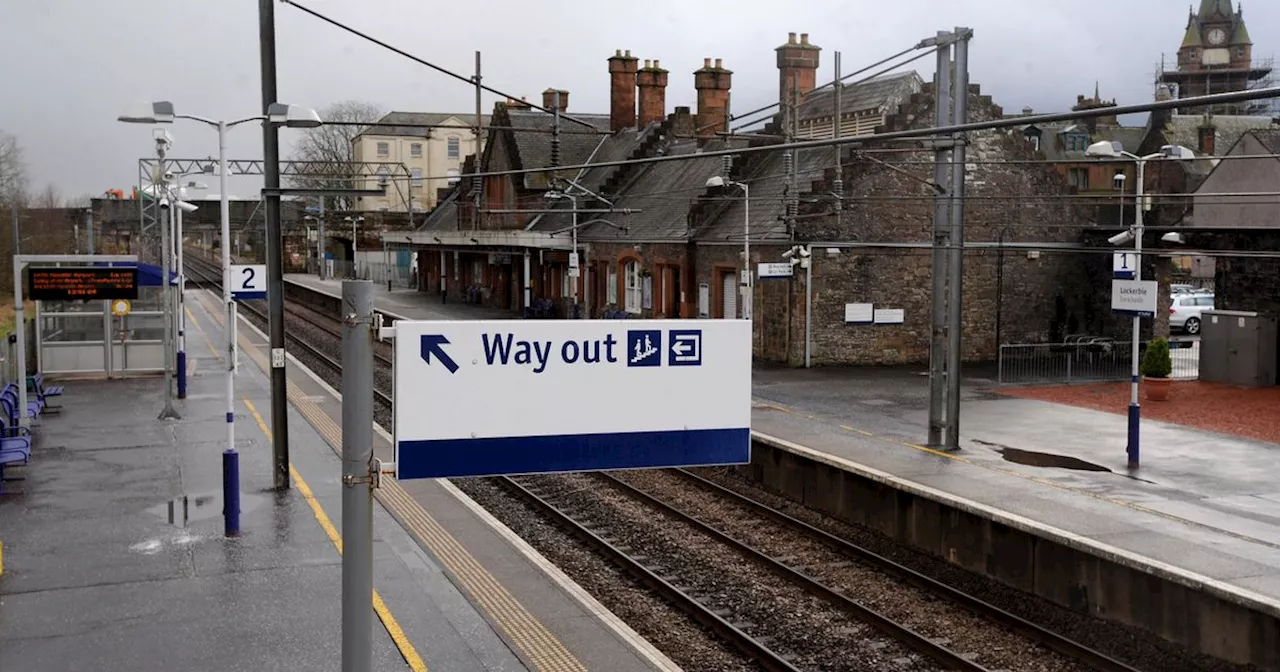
(1156, 362)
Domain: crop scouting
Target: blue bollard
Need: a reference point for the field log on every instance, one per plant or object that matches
(182, 374)
(231, 493)
(1133, 449)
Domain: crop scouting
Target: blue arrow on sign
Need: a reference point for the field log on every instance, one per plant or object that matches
(433, 344)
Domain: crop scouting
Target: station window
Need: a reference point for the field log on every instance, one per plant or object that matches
(416, 173)
(415, 150)
(384, 149)
(455, 148)
(635, 291)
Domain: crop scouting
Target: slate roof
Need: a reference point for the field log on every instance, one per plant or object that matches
(882, 93)
(426, 118)
(443, 217)
(616, 147)
(768, 186)
(532, 148)
(1185, 130)
(1269, 139)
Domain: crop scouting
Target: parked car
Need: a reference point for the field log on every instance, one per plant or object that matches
(1185, 310)
(1185, 289)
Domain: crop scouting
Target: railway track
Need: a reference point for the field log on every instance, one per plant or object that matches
(757, 643)
(206, 275)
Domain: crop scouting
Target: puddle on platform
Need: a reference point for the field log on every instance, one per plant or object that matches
(1049, 460)
(182, 510)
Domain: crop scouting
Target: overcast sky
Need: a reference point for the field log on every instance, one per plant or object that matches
(73, 65)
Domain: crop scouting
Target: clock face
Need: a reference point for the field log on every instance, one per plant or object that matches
(1217, 36)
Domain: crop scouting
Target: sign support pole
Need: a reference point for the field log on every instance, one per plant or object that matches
(1135, 407)
(941, 205)
(166, 256)
(358, 476)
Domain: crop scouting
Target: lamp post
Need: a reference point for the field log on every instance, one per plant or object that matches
(355, 221)
(574, 264)
(1114, 150)
(294, 117)
(180, 300)
(320, 260)
(747, 283)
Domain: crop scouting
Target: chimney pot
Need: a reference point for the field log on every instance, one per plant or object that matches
(655, 63)
(791, 38)
(706, 62)
(617, 52)
(628, 54)
(622, 90)
(804, 38)
(717, 64)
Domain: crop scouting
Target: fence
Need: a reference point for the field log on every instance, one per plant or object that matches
(1086, 359)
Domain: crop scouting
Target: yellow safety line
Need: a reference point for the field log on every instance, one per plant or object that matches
(389, 621)
(538, 644)
(195, 323)
(1034, 479)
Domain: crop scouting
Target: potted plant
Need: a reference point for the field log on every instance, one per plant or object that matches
(1156, 369)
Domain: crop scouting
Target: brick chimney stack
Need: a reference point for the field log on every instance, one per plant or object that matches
(622, 90)
(798, 65)
(549, 99)
(1208, 136)
(712, 83)
(652, 82)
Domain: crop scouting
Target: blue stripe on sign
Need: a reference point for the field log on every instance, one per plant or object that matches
(572, 452)
(248, 296)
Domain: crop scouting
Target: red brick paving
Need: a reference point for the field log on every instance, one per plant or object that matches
(1253, 413)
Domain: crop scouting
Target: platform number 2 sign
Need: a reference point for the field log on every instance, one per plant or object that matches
(249, 281)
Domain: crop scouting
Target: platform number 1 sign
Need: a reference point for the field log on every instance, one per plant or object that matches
(249, 282)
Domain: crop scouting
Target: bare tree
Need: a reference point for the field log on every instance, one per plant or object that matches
(333, 144)
(50, 197)
(13, 169)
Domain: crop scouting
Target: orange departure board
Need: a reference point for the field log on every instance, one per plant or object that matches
(82, 283)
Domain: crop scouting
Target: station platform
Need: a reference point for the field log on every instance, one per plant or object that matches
(409, 304)
(114, 554)
(1203, 502)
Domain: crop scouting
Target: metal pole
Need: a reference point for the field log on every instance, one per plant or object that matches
(275, 252)
(230, 460)
(320, 245)
(478, 183)
(955, 302)
(938, 336)
(748, 294)
(166, 216)
(89, 230)
(1135, 408)
(357, 467)
(179, 303)
(528, 282)
(355, 274)
(574, 202)
(808, 307)
(13, 210)
(19, 325)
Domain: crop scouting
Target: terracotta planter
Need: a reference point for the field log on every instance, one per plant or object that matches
(1157, 388)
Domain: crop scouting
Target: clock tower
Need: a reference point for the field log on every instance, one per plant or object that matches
(1216, 56)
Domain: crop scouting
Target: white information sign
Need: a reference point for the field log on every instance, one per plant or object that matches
(859, 313)
(1134, 297)
(775, 270)
(249, 282)
(1123, 265)
(476, 398)
(890, 316)
(573, 264)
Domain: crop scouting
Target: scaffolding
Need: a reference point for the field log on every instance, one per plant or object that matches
(1260, 74)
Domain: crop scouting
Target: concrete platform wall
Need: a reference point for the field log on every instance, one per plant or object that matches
(1065, 570)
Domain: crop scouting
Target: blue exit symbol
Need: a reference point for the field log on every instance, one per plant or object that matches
(685, 346)
(644, 347)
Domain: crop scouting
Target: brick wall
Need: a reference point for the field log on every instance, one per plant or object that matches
(887, 206)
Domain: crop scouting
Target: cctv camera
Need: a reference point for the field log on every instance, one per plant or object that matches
(168, 176)
(788, 254)
(186, 207)
(804, 252)
(1121, 238)
(164, 204)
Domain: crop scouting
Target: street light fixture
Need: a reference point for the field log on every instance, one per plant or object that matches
(1115, 150)
(746, 284)
(162, 112)
(355, 221)
(574, 271)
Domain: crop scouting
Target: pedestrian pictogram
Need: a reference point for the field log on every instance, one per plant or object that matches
(643, 347)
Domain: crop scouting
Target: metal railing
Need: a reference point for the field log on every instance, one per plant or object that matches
(1086, 359)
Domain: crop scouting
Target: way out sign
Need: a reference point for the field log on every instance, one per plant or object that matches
(515, 396)
(249, 282)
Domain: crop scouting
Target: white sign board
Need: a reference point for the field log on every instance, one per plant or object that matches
(1134, 297)
(248, 282)
(1123, 265)
(891, 316)
(859, 313)
(573, 264)
(775, 270)
(476, 398)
